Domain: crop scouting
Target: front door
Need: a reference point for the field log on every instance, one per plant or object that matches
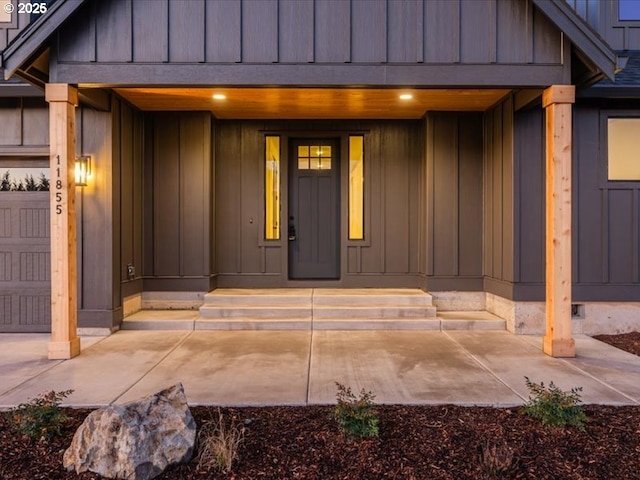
(314, 209)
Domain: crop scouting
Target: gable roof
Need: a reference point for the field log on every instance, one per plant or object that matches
(559, 12)
(36, 34)
(583, 37)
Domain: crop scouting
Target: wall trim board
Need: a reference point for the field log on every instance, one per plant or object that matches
(129, 74)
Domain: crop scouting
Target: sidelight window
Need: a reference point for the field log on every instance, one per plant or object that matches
(272, 188)
(623, 161)
(356, 187)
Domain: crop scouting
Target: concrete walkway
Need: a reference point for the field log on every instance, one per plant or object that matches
(301, 367)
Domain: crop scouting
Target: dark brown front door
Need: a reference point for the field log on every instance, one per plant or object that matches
(314, 209)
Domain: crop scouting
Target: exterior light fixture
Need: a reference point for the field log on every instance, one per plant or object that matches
(219, 96)
(406, 96)
(83, 170)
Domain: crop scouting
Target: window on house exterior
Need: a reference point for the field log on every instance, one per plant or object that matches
(314, 157)
(356, 187)
(629, 10)
(272, 188)
(623, 160)
(23, 179)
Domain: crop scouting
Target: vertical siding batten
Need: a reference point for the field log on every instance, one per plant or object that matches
(150, 43)
(114, 32)
(224, 32)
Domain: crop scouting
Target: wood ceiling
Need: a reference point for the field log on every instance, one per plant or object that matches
(312, 103)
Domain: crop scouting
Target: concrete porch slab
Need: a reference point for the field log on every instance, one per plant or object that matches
(24, 356)
(234, 368)
(511, 357)
(301, 367)
(614, 368)
(102, 372)
(401, 367)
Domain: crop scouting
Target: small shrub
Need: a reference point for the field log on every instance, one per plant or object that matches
(40, 418)
(555, 407)
(497, 460)
(356, 415)
(218, 444)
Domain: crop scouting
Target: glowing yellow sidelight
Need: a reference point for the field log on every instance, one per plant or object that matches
(356, 187)
(272, 188)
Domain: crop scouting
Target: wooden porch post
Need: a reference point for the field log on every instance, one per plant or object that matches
(62, 100)
(557, 101)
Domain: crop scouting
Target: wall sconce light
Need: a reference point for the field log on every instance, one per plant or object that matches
(83, 170)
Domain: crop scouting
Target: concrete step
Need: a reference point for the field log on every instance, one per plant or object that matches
(367, 297)
(314, 309)
(376, 324)
(276, 297)
(243, 323)
(471, 320)
(190, 320)
(372, 312)
(255, 311)
(161, 320)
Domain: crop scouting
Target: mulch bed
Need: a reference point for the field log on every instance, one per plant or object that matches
(416, 442)
(629, 342)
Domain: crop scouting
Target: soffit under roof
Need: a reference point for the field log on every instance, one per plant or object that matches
(312, 103)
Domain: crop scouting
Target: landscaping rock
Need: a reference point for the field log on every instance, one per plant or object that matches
(135, 441)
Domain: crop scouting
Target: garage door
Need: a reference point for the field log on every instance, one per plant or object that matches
(25, 262)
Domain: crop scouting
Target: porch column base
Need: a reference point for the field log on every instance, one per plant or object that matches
(559, 348)
(64, 350)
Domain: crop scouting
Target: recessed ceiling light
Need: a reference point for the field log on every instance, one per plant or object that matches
(406, 96)
(219, 96)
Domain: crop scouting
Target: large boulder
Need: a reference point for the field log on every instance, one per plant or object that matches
(135, 441)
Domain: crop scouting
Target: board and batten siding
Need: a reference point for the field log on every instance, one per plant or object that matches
(452, 257)
(514, 202)
(606, 213)
(602, 15)
(389, 255)
(24, 127)
(178, 203)
(268, 37)
(109, 212)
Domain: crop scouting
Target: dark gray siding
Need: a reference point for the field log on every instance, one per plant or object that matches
(514, 202)
(25, 127)
(389, 255)
(10, 31)
(498, 199)
(606, 220)
(453, 187)
(606, 244)
(178, 202)
(602, 15)
(258, 41)
(109, 212)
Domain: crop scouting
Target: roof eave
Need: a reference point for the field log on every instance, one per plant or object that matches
(581, 35)
(34, 36)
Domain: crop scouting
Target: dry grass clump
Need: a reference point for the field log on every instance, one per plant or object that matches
(219, 441)
(497, 460)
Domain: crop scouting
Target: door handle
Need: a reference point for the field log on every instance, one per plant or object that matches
(292, 230)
